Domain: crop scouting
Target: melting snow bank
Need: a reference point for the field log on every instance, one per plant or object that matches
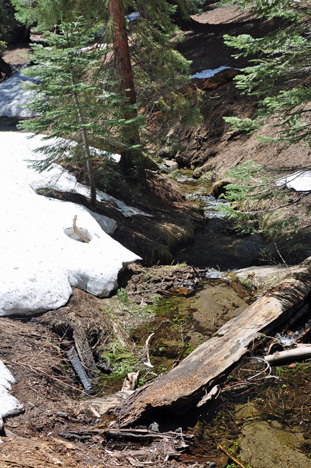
(9, 405)
(299, 181)
(13, 97)
(42, 258)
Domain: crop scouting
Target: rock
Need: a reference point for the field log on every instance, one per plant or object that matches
(154, 427)
(167, 152)
(264, 445)
(207, 169)
(171, 165)
(219, 188)
(107, 224)
(199, 172)
(263, 277)
(246, 411)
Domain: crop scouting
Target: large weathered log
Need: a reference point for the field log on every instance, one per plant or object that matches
(185, 385)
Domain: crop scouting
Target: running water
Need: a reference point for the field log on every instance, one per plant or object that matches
(216, 244)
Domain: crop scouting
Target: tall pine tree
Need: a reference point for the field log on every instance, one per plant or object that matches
(150, 61)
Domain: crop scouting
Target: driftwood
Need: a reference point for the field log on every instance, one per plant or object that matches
(146, 435)
(186, 385)
(76, 230)
(144, 456)
(130, 382)
(302, 351)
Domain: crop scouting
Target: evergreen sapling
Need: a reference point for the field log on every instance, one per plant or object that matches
(76, 100)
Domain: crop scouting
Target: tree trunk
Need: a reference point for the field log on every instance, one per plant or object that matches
(187, 384)
(86, 146)
(124, 69)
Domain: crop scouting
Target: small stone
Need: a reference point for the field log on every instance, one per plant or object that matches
(154, 427)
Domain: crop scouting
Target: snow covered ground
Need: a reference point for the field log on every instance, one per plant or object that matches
(9, 405)
(299, 181)
(41, 259)
(13, 97)
(208, 73)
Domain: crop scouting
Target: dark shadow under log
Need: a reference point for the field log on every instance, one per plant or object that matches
(5, 69)
(184, 386)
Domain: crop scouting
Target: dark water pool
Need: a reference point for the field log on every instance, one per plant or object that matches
(215, 246)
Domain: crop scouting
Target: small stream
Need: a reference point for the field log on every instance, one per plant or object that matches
(216, 244)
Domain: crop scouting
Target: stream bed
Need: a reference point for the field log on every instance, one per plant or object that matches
(261, 422)
(216, 244)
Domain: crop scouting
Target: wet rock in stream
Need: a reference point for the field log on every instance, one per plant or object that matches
(271, 445)
(214, 305)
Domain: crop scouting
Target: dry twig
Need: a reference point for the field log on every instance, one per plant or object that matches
(230, 456)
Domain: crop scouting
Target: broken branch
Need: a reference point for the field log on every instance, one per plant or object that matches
(76, 230)
(302, 351)
(230, 456)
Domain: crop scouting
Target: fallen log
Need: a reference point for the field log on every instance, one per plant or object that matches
(79, 369)
(82, 346)
(183, 387)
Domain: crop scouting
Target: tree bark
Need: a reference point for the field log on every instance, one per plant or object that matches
(183, 387)
(124, 69)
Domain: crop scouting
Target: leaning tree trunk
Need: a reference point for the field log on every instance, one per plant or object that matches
(124, 69)
(187, 384)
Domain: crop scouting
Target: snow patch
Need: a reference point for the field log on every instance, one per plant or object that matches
(299, 181)
(208, 73)
(9, 405)
(39, 262)
(13, 97)
(133, 16)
